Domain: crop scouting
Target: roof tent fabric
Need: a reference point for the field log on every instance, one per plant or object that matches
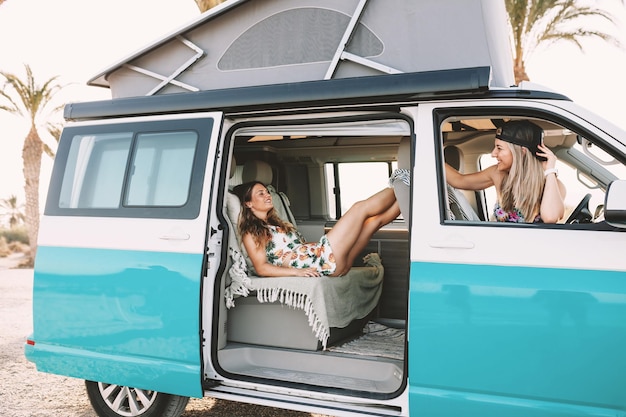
(262, 42)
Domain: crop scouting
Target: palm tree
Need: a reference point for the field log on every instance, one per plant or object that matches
(542, 22)
(204, 5)
(31, 101)
(12, 210)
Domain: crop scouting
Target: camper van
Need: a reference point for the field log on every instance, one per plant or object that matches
(142, 286)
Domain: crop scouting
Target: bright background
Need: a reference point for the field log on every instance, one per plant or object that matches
(77, 39)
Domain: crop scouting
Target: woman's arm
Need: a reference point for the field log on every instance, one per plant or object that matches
(553, 200)
(474, 181)
(265, 269)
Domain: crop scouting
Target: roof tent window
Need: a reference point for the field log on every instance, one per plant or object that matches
(297, 36)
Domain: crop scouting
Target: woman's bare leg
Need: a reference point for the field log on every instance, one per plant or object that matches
(371, 226)
(345, 234)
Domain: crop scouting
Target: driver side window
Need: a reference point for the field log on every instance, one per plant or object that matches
(474, 145)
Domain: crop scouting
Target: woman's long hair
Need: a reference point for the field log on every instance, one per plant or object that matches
(522, 187)
(249, 223)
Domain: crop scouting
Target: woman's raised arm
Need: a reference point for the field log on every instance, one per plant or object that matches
(474, 181)
(553, 200)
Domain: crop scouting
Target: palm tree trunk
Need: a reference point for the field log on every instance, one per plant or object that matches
(519, 69)
(31, 156)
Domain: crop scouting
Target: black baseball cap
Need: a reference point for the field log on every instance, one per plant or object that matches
(523, 133)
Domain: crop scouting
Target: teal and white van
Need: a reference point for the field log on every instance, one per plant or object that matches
(141, 287)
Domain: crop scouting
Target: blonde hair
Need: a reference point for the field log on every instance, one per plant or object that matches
(522, 187)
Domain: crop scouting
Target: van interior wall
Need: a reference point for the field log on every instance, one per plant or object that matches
(295, 177)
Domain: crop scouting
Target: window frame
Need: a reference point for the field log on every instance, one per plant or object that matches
(202, 126)
(440, 115)
(335, 194)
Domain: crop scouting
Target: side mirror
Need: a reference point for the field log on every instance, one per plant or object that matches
(615, 204)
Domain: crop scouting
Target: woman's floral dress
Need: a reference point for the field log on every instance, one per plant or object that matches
(514, 216)
(290, 249)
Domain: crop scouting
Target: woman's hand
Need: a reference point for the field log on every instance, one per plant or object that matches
(549, 155)
(305, 272)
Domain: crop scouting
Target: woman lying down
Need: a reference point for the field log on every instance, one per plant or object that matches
(276, 249)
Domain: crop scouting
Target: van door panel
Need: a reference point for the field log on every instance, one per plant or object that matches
(516, 321)
(496, 333)
(121, 316)
(117, 293)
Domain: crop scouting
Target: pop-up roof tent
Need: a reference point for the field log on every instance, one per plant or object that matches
(259, 42)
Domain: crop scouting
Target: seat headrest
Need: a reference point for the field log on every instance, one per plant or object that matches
(453, 157)
(257, 171)
(404, 153)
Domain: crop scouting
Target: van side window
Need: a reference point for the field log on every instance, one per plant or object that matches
(585, 167)
(94, 174)
(161, 169)
(349, 185)
(149, 168)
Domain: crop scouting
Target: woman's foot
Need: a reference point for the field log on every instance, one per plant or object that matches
(400, 174)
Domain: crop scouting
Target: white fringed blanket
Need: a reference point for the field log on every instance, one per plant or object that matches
(326, 301)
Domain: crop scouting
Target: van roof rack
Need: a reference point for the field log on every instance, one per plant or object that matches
(391, 89)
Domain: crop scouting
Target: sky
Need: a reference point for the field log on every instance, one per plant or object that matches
(77, 39)
(74, 40)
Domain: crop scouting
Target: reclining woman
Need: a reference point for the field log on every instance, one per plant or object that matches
(525, 177)
(276, 249)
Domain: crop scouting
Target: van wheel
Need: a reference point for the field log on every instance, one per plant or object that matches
(110, 400)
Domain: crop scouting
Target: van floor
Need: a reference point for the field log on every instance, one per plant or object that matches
(323, 368)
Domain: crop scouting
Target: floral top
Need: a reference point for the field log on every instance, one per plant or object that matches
(290, 249)
(514, 216)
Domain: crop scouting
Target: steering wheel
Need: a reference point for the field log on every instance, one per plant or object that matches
(581, 213)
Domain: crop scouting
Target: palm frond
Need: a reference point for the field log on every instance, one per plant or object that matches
(55, 130)
(29, 99)
(12, 108)
(543, 22)
(48, 150)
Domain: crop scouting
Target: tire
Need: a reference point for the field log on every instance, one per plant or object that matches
(110, 400)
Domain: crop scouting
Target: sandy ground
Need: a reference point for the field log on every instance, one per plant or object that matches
(24, 392)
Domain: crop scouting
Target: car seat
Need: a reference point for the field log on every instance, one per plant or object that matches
(459, 207)
(255, 320)
(257, 170)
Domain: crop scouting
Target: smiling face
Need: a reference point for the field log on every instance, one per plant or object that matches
(502, 152)
(260, 202)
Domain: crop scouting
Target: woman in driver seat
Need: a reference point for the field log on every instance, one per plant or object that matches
(525, 177)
